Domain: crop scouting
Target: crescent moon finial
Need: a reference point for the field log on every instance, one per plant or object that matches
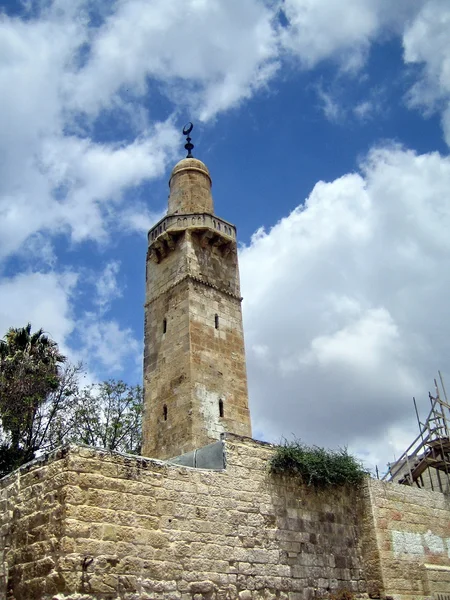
(189, 146)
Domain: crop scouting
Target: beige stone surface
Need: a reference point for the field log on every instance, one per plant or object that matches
(85, 523)
(190, 188)
(89, 524)
(412, 531)
(195, 382)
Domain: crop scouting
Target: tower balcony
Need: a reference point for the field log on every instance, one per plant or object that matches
(212, 230)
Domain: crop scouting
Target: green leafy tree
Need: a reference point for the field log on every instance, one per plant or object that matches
(55, 417)
(42, 404)
(30, 371)
(51, 423)
(109, 415)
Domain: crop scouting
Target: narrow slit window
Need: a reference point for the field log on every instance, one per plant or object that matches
(165, 412)
(164, 325)
(216, 321)
(220, 408)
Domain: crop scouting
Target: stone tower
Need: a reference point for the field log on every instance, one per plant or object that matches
(195, 380)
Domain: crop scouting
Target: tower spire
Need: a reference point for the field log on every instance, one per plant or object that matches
(189, 146)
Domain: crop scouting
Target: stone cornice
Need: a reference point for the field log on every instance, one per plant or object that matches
(165, 242)
(190, 277)
(194, 220)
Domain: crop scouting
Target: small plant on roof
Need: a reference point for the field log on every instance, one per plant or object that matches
(316, 466)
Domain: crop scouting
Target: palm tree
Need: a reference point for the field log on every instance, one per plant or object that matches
(37, 345)
(29, 371)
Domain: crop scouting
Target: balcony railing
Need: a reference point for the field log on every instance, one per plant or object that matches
(174, 222)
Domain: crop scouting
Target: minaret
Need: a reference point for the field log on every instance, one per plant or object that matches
(195, 382)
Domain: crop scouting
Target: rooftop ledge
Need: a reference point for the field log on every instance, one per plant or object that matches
(208, 458)
(193, 220)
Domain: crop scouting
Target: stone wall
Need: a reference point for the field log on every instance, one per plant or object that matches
(87, 524)
(412, 529)
(84, 524)
(32, 527)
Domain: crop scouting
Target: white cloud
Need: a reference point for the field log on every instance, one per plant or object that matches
(364, 110)
(47, 300)
(140, 218)
(30, 69)
(338, 108)
(56, 177)
(53, 177)
(346, 321)
(54, 68)
(426, 42)
(38, 252)
(95, 177)
(341, 31)
(108, 345)
(362, 343)
(331, 107)
(107, 286)
(215, 52)
(43, 299)
(321, 28)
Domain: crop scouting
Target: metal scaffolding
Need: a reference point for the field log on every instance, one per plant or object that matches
(426, 463)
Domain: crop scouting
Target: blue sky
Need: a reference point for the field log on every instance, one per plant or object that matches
(325, 126)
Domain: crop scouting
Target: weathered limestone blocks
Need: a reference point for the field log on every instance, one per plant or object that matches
(190, 188)
(195, 382)
(194, 360)
(88, 524)
(412, 530)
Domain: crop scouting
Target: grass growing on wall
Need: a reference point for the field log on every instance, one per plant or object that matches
(316, 466)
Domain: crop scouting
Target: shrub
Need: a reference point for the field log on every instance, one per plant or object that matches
(317, 466)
